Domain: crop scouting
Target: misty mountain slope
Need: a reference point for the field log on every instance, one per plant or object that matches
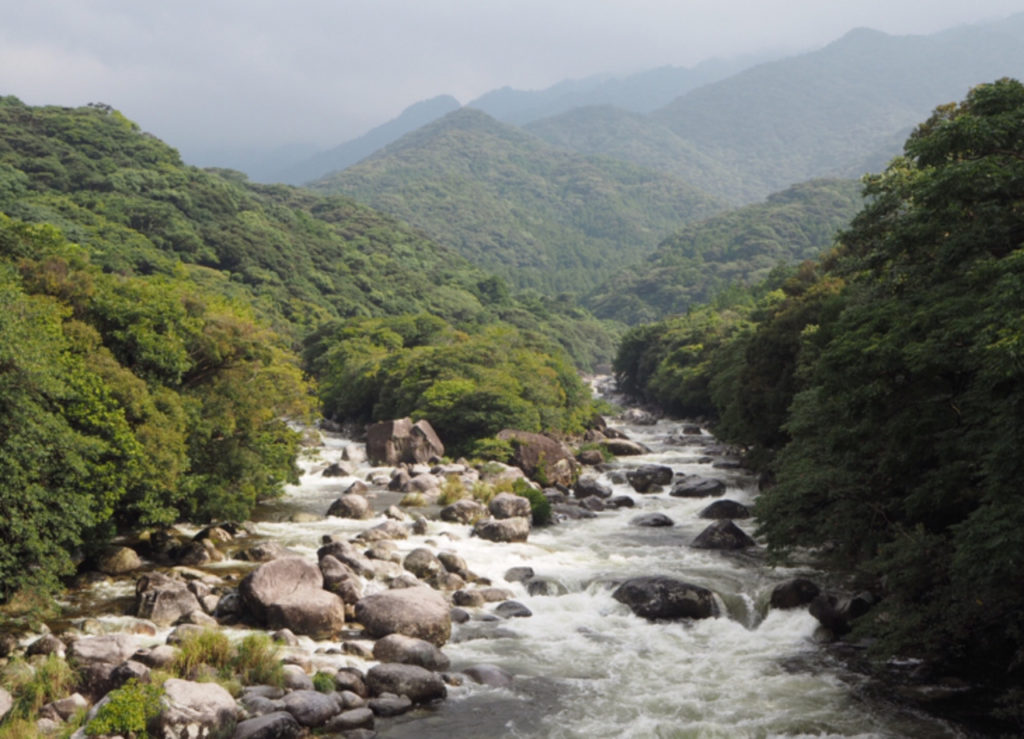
(507, 201)
(821, 113)
(631, 137)
(739, 246)
(641, 92)
(350, 152)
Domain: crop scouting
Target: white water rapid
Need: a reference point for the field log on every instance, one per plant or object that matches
(584, 665)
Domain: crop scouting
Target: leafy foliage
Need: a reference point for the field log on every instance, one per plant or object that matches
(130, 709)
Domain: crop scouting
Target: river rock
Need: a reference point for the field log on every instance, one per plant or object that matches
(418, 612)
(620, 501)
(836, 613)
(541, 457)
(98, 656)
(519, 574)
(118, 561)
(408, 650)
(454, 564)
(288, 593)
(422, 563)
(350, 679)
(725, 509)
(505, 530)
(129, 670)
(590, 457)
(45, 645)
(694, 486)
(468, 598)
(665, 597)
(265, 551)
(387, 705)
(794, 593)
(416, 683)
(646, 478)
(592, 503)
(722, 534)
(351, 506)
(387, 530)
(563, 512)
(400, 440)
(623, 447)
(157, 657)
(192, 709)
(588, 486)
(340, 579)
(651, 519)
(545, 586)
(276, 725)
(310, 708)
(466, 511)
(355, 718)
(338, 469)
(508, 505)
(163, 599)
(513, 609)
(60, 710)
(492, 675)
(346, 553)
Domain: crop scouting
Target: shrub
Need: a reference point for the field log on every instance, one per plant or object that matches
(208, 647)
(32, 688)
(323, 682)
(131, 708)
(413, 500)
(256, 663)
(492, 449)
(452, 489)
(540, 506)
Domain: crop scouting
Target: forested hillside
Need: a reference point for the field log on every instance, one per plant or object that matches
(151, 323)
(881, 391)
(738, 247)
(837, 112)
(537, 216)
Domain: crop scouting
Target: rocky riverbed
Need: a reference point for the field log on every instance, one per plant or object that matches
(644, 609)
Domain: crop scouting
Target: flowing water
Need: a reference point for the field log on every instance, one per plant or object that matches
(585, 666)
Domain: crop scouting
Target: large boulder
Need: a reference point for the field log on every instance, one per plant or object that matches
(118, 561)
(276, 725)
(794, 593)
(623, 447)
(351, 506)
(503, 530)
(647, 477)
(722, 534)
(836, 612)
(543, 459)
(98, 656)
(192, 709)
(416, 683)
(400, 440)
(288, 593)
(408, 650)
(163, 600)
(466, 511)
(665, 597)
(310, 708)
(340, 579)
(651, 519)
(419, 612)
(509, 505)
(694, 486)
(725, 508)
(423, 563)
(588, 485)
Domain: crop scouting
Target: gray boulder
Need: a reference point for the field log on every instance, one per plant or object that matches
(725, 509)
(163, 600)
(400, 440)
(454, 564)
(351, 506)
(98, 656)
(288, 593)
(588, 485)
(651, 519)
(389, 529)
(660, 597)
(118, 561)
(418, 612)
(508, 505)
(646, 478)
(355, 718)
(407, 650)
(310, 708)
(513, 609)
(541, 457)
(465, 511)
(793, 593)
(492, 675)
(192, 709)
(623, 447)
(276, 725)
(341, 579)
(722, 534)
(694, 486)
(265, 551)
(416, 683)
(504, 530)
(423, 563)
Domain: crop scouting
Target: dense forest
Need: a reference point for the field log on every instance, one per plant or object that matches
(155, 317)
(879, 390)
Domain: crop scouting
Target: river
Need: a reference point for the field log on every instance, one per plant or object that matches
(584, 665)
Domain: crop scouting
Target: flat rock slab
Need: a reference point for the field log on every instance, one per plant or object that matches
(419, 612)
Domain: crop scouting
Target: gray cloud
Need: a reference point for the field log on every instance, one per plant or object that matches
(244, 73)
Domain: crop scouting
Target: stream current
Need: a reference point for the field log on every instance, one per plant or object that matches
(584, 664)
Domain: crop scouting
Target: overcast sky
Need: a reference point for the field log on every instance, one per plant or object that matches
(203, 74)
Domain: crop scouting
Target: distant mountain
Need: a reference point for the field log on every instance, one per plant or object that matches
(741, 245)
(641, 92)
(347, 154)
(538, 216)
(839, 111)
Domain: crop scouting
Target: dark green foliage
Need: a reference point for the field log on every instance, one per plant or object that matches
(890, 382)
(740, 246)
(537, 216)
(540, 506)
(468, 385)
(323, 682)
